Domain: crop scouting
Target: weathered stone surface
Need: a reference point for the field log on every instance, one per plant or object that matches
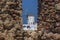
(11, 21)
(57, 6)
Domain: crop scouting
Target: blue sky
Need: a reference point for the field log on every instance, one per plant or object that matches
(29, 6)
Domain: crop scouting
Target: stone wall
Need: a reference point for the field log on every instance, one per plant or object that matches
(11, 21)
(49, 19)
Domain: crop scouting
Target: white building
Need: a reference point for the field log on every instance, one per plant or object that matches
(30, 19)
(31, 23)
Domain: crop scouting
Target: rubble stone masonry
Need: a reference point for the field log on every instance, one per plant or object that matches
(10, 19)
(48, 21)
